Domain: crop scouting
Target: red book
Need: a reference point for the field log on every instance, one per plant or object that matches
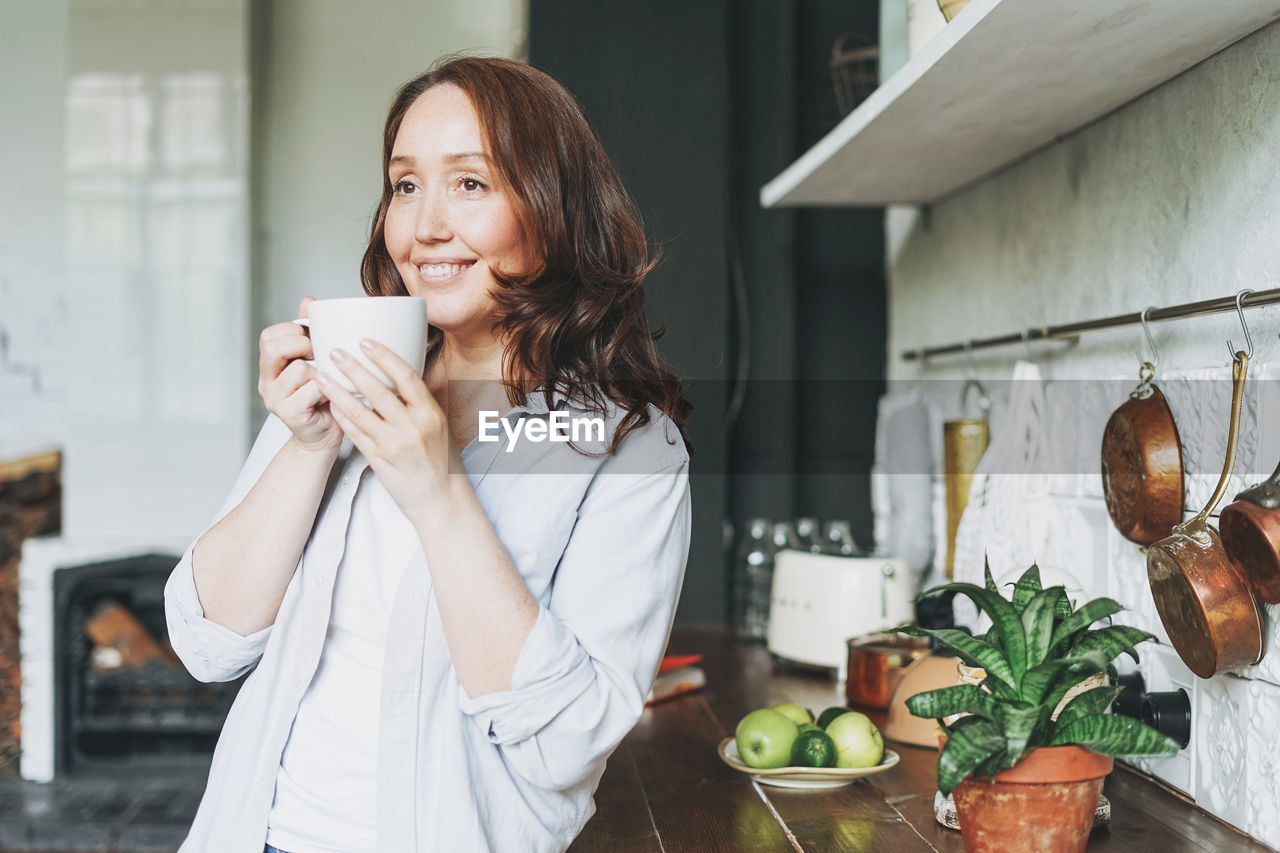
(671, 662)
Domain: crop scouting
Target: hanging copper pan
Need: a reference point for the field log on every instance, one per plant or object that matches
(1251, 534)
(1142, 460)
(1210, 613)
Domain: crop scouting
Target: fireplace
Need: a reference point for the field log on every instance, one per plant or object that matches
(122, 700)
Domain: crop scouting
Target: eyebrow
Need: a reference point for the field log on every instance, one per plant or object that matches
(452, 158)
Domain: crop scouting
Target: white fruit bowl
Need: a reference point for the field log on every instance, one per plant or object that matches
(802, 777)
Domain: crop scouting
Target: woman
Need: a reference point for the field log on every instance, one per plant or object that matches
(444, 662)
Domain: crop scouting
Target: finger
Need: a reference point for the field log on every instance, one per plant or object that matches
(278, 387)
(295, 374)
(306, 396)
(407, 380)
(382, 398)
(281, 343)
(349, 427)
(342, 401)
(302, 305)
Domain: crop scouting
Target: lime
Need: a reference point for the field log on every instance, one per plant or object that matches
(805, 727)
(830, 714)
(813, 748)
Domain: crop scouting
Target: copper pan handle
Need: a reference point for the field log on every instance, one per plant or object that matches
(1197, 526)
(1265, 494)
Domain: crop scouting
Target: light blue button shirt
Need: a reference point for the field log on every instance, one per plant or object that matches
(600, 540)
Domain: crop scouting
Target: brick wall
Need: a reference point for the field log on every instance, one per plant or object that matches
(30, 505)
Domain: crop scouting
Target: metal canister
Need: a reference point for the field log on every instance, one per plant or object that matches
(963, 443)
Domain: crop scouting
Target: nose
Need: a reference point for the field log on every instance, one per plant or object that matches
(432, 225)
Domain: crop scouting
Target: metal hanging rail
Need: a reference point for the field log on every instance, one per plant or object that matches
(1072, 330)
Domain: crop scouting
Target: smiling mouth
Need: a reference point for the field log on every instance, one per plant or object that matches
(442, 272)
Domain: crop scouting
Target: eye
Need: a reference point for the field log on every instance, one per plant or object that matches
(471, 185)
(404, 187)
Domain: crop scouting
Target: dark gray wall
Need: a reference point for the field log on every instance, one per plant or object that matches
(653, 77)
(813, 278)
(701, 104)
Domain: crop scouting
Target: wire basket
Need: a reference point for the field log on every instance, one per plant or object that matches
(855, 69)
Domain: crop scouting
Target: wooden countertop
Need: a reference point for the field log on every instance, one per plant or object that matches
(666, 789)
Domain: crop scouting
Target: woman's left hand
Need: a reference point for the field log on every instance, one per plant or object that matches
(405, 435)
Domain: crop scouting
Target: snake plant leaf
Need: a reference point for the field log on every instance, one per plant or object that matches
(1041, 681)
(1068, 679)
(987, 579)
(1112, 734)
(973, 651)
(1002, 691)
(1018, 725)
(917, 631)
(1002, 760)
(958, 699)
(1113, 640)
(1064, 609)
(1004, 623)
(1026, 588)
(1038, 620)
(964, 722)
(967, 747)
(1043, 731)
(1090, 703)
(1099, 608)
(991, 638)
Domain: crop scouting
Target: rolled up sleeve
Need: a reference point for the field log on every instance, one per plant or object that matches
(210, 651)
(582, 675)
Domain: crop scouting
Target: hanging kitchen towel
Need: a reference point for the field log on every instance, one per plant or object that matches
(902, 482)
(1012, 516)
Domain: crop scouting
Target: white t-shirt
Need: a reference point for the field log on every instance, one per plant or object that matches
(326, 798)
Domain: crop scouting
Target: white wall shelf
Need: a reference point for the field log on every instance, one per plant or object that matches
(1001, 80)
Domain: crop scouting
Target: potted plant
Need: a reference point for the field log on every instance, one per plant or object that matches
(1025, 773)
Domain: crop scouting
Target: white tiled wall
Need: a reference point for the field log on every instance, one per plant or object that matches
(1174, 198)
(124, 261)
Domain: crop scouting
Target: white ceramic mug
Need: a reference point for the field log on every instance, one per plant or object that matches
(397, 322)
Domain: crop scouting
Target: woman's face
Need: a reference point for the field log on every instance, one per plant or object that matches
(450, 224)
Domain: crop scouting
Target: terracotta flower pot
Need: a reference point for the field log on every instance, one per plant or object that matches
(1044, 803)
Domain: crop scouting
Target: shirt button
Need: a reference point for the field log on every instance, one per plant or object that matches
(318, 581)
(346, 478)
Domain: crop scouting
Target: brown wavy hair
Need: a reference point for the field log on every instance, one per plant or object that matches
(576, 322)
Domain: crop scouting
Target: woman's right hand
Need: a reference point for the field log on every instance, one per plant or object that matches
(288, 385)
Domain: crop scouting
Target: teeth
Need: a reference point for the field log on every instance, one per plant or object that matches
(441, 270)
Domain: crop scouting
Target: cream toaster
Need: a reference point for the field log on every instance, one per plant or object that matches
(819, 601)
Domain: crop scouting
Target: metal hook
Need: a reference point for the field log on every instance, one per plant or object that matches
(1026, 344)
(1248, 339)
(1146, 330)
(968, 352)
(984, 401)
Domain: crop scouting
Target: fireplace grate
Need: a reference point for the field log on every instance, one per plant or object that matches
(122, 699)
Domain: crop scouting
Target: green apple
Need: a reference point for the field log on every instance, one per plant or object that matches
(858, 741)
(795, 713)
(764, 739)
